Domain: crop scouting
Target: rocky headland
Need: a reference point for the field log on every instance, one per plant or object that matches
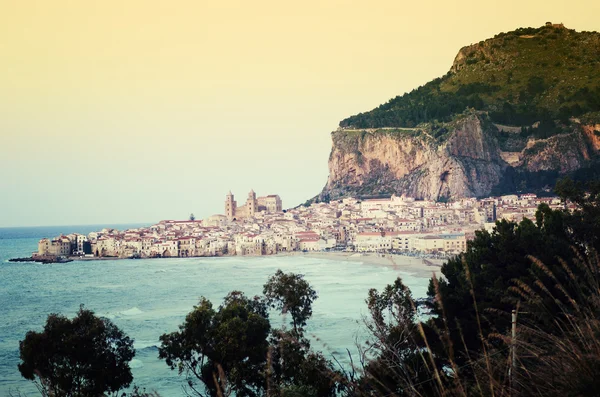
(513, 114)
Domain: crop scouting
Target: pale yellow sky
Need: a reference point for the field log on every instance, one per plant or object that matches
(136, 111)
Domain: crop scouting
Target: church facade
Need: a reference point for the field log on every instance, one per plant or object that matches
(270, 204)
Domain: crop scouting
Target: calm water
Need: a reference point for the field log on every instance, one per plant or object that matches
(149, 297)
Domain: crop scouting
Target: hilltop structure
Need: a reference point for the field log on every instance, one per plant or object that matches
(270, 204)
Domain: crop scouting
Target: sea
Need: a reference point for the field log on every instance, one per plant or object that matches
(149, 297)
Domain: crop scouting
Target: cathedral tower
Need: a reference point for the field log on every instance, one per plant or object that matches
(230, 206)
(251, 204)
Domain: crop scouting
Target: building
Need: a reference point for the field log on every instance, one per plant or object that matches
(43, 247)
(230, 206)
(443, 243)
(80, 245)
(186, 246)
(489, 208)
(270, 204)
(373, 241)
(60, 246)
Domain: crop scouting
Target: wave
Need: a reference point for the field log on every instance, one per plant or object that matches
(152, 350)
(110, 286)
(134, 311)
(135, 363)
(143, 345)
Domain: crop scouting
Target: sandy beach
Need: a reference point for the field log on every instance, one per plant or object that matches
(420, 267)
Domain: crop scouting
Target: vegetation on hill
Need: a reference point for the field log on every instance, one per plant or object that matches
(547, 75)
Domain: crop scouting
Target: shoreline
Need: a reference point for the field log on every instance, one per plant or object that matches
(420, 267)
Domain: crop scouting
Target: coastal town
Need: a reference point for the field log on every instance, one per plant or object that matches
(260, 226)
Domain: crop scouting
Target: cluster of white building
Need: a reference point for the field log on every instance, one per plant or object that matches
(396, 224)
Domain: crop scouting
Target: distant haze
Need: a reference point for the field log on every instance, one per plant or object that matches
(136, 111)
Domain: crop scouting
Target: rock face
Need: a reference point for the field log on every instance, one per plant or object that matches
(466, 162)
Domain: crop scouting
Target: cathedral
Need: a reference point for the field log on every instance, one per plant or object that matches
(270, 204)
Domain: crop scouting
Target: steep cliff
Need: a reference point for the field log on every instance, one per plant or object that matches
(463, 158)
(515, 112)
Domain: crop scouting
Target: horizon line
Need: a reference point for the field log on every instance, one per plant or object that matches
(87, 225)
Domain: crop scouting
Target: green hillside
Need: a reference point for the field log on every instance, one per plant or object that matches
(548, 74)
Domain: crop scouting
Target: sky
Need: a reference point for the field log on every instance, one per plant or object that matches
(123, 111)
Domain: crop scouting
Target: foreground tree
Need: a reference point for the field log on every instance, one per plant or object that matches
(295, 368)
(476, 287)
(224, 349)
(290, 293)
(548, 270)
(85, 356)
(232, 350)
(397, 361)
(583, 223)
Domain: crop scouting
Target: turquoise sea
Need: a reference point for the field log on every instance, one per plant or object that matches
(149, 297)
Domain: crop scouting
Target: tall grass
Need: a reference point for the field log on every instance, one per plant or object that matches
(412, 368)
(556, 346)
(559, 350)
